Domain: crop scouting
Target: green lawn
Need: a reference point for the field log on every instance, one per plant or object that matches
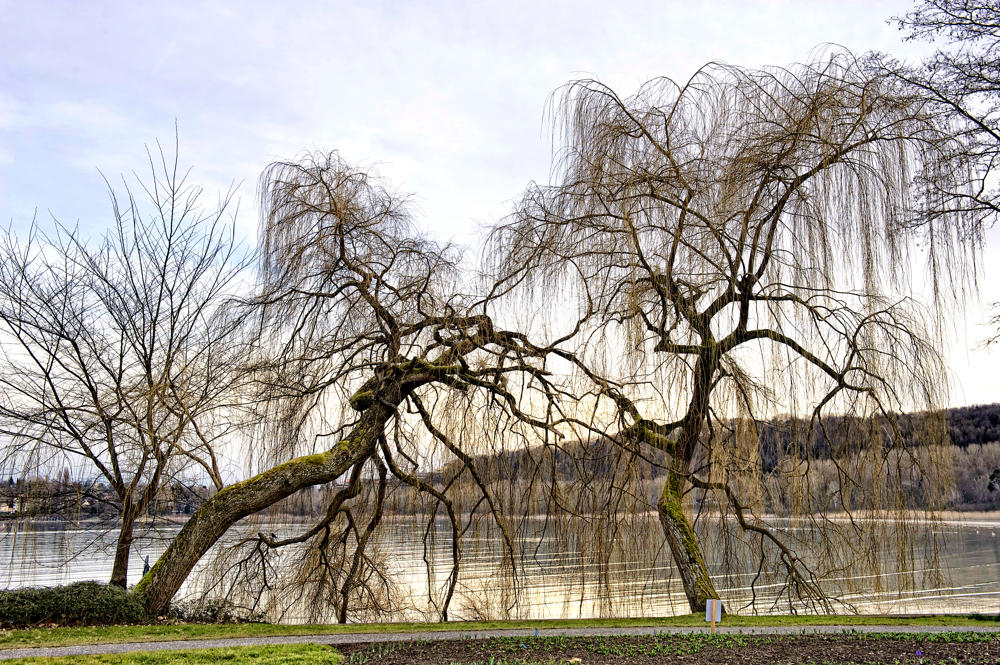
(285, 654)
(35, 637)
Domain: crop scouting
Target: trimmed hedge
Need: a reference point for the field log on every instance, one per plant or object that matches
(78, 604)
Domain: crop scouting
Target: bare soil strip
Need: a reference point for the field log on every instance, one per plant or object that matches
(689, 649)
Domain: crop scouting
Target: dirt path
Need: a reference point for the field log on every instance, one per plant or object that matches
(691, 649)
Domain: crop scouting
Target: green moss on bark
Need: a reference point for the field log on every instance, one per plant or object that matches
(684, 545)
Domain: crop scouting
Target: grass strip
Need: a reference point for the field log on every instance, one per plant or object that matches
(49, 637)
(279, 654)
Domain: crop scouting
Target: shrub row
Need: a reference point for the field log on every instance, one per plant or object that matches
(77, 604)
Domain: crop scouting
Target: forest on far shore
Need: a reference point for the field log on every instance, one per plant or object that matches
(974, 432)
(979, 424)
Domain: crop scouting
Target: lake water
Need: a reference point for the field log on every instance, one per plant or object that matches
(556, 582)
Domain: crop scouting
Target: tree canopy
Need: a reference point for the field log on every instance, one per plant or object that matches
(719, 265)
(115, 359)
(742, 245)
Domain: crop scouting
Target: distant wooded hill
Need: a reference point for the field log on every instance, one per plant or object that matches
(978, 424)
(973, 431)
(965, 426)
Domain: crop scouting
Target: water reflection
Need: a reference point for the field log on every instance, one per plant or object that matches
(556, 582)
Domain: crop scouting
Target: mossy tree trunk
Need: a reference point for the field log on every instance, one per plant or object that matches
(233, 503)
(683, 544)
(684, 547)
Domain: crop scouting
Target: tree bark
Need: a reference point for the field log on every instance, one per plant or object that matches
(119, 573)
(684, 547)
(683, 543)
(233, 503)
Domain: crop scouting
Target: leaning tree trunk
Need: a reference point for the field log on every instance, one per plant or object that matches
(683, 543)
(233, 503)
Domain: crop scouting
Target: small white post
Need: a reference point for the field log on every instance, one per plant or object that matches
(713, 611)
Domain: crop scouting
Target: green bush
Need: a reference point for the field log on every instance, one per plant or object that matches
(78, 604)
(984, 617)
(212, 611)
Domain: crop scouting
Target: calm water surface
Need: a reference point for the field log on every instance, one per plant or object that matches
(556, 584)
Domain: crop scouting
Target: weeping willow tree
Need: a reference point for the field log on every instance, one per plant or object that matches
(742, 249)
(743, 246)
(372, 377)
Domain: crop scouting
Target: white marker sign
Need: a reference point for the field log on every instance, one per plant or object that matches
(713, 606)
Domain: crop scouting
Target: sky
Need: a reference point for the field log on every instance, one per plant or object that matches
(447, 97)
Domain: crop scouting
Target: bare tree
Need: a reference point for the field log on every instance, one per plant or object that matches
(740, 246)
(369, 367)
(962, 82)
(115, 359)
